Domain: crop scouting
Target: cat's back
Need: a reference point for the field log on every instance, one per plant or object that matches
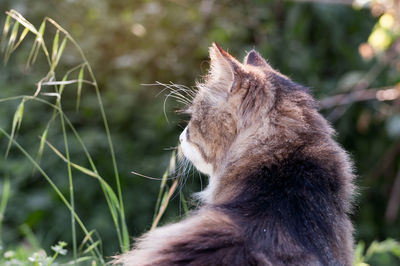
(211, 237)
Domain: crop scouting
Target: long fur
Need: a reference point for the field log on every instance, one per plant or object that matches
(281, 186)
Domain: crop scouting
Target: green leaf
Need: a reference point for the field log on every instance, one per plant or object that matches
(18, 17)
(38, 42)
(81, 259)
(172, 162)
(31, 53)
(91, 247)
(91, 173)
(16, 123)
(35, 54)
(184, 203)
(4, 198)
(42, 28)
(54, 51)
(359, 253)
(80, 79)
(21, 38)
(386, 246)
(60, 51)
(29, 235)
(87, 238)
(11, 41)
(62, 85)
(42, 142)
(110, 193)
(4, 34)
(85, 170)
(55, 45)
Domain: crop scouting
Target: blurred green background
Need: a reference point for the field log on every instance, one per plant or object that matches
(348, 54)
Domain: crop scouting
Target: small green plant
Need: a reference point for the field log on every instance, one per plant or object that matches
(386, 252)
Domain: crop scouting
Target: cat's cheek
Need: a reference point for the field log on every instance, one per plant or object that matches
(192, 154)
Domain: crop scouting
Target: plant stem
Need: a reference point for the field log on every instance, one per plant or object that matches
(55, 188)
(71, 185)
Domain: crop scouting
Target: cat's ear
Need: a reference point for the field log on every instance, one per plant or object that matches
(255, 59)
(225, 69)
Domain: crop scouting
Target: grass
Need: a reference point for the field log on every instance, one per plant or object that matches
(12, 37)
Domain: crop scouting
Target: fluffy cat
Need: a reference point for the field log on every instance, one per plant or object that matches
(280, 188)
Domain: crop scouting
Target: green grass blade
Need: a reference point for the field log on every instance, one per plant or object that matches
(42, 142)
(43, 139)
(18, 17)
(172, 162)
(32, 240)
(60, 52)
(85, 240)
(80, 79)
(164, 203)
(160, 193)
(41, 29)
(91, 247)
(109, 190)
(70, 180)
(11, 41)
(54, 50)
(62, 85)
(81, 260)
(184, 203)
(31, 54)
(87, 172)
(4, 34)
(17, 119)
(39, 40)
(21, 38)
(5, 195)
(36, 52)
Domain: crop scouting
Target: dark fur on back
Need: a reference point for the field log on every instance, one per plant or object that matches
(298, 196)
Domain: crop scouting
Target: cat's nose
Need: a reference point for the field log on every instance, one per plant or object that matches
(182, 136)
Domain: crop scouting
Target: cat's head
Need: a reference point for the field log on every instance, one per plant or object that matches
(244, 109)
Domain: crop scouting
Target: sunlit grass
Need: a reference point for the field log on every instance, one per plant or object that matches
(90, 247)
(10, 41)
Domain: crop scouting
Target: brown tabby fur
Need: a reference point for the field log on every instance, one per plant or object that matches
(281, 187)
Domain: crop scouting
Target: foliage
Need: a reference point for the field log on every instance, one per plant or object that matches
(114, 200)
(386, 252)
(348, 55)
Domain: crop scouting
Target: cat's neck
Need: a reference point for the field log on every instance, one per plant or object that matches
(226, 181)
(323, 155)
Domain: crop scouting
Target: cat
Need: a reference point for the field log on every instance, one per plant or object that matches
(280, 188)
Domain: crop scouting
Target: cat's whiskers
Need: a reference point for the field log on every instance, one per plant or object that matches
(176, 89)
(181, 93)
(181, 173)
